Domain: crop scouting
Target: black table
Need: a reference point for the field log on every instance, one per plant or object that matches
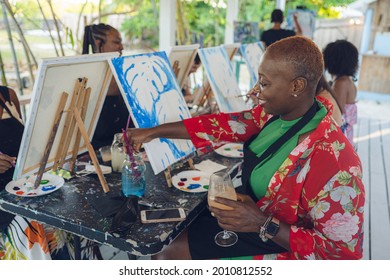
(70, 209)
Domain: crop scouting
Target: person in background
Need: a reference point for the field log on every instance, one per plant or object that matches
(324, 90)
(277, 32)
(21, 238)
(341, 61)
(294, 206)
(104, 38)
(186, 90)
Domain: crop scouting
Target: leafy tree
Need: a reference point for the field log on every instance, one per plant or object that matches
(141, 28)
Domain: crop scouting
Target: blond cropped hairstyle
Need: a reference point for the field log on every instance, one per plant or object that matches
(303, 54)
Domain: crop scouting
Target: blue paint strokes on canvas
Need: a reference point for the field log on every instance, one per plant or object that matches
(252, 54)
(222, 79)
(154, 97)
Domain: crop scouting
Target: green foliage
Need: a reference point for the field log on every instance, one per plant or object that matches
(26, 12)
(141, 28)
(205, 20)
(26, 8)
(69, 36)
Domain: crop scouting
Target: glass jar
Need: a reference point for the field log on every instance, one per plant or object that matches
(133, 175)
(118, 155)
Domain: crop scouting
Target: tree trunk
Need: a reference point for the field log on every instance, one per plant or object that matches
(3, 77)
(78, 26)
(5, 18)
(100, 11)
(48, 26)
(57, 27)
(26, 47)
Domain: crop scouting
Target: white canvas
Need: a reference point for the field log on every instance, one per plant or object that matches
(184, 57)
(222, 79)
(55, 76)
(231, 49)
(153, 97)
(252, 54)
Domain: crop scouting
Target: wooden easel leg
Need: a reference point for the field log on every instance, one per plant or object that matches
(168, 177)
(91, 151)
(83, 106)
(72, 124)
(68, 120)
(191, 163)
(49, 145)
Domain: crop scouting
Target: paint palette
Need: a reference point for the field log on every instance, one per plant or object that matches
(191, 181)
(232, 150)
(25, 186)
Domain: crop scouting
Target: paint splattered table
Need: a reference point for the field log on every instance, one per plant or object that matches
(70, 209)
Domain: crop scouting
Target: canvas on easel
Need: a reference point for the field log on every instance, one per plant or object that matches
(85, 80)
(204, 94)
(181, 59)
(231, 49)
(252, 54)
(221, 77)
(306, 19)
(149, 87)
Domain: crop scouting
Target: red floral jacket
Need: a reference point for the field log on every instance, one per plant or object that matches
(318, 189)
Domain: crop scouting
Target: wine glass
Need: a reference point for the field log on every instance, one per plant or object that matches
(221, 185)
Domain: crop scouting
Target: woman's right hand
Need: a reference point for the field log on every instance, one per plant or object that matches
(6, 162)
(173, 130)
(138, 136)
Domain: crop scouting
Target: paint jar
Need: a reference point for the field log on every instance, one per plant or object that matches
(105, 153)
(133, 175)
(118, 154)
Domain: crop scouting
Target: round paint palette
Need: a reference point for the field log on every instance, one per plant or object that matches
(191, 181)
(232, 150)
(25, 186)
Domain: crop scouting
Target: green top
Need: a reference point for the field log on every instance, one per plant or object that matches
(263, 172)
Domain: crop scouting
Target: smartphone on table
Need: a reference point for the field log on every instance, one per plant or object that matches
(163, 215)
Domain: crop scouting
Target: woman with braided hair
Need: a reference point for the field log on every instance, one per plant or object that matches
(102, 38)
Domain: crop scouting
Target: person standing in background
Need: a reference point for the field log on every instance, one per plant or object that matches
(341, 60)
(103, 38)
(277, 33)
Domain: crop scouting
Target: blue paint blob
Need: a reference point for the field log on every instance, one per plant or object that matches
(48, 188)
(16, 188)
(194, 186)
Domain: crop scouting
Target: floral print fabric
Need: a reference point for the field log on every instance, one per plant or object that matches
(26, 239)
(318, 189)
